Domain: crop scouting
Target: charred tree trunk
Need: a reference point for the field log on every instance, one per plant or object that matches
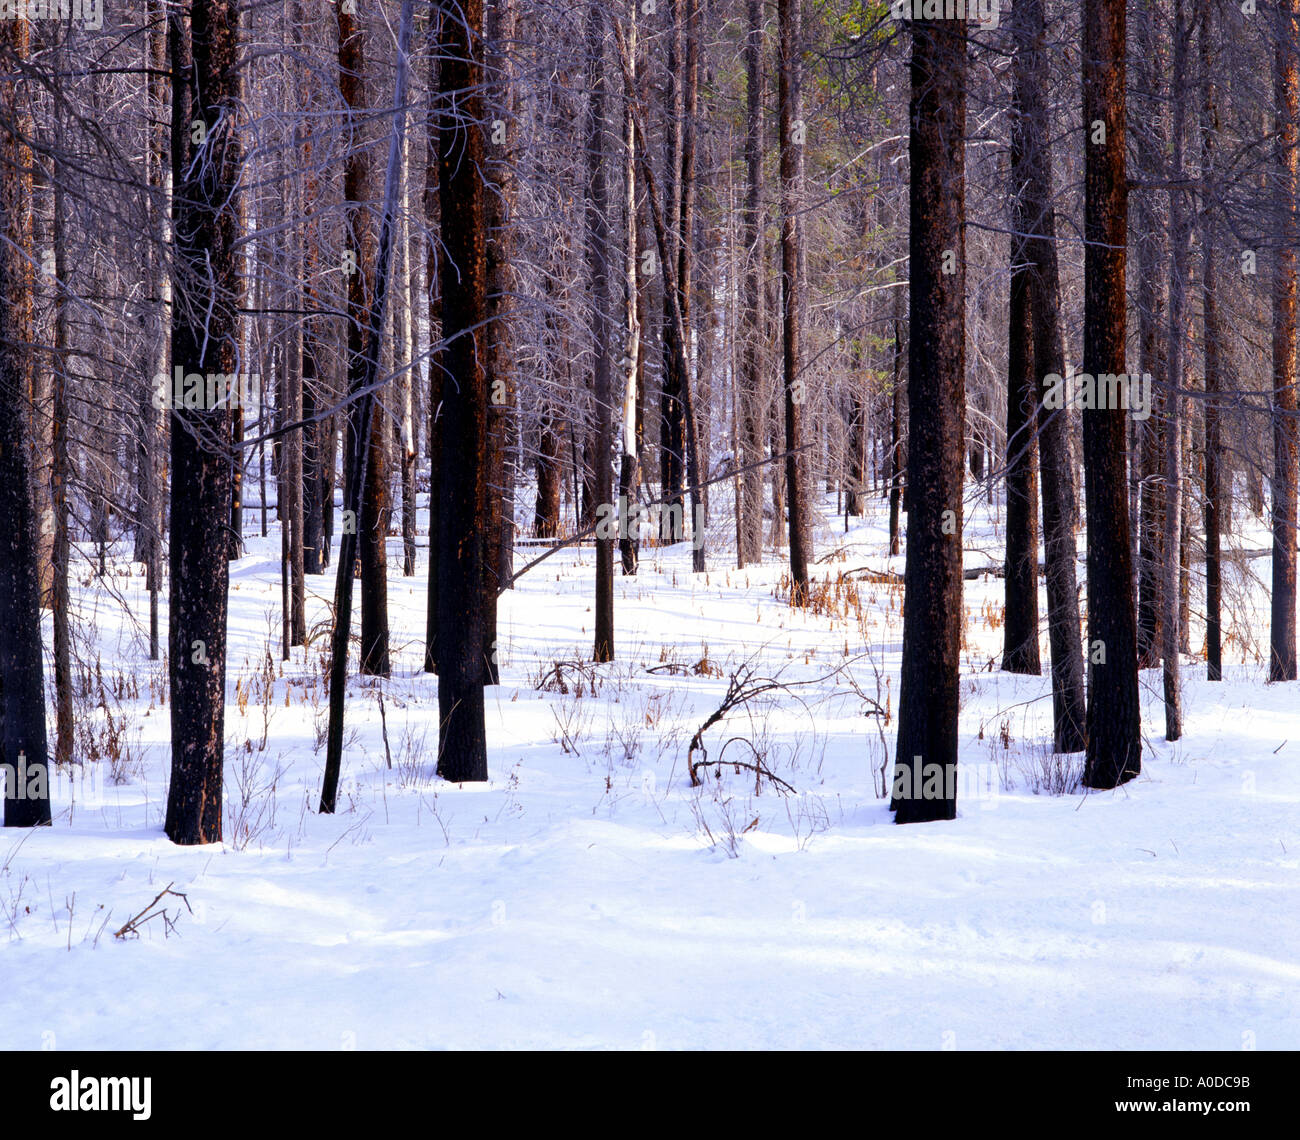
(792, 127)
(897, 459)
(23, 741)
(1020, 631)
(671, 412)
(753, 402)
(437, 361)
(362, 405)
(546, 511)
(1213, 381)
(598, 256)
(1286, 91)
(1114, 731)
(629, 467)
(925, 767)
(462, 458)
(1148, 477)
(1060, 500)
(500, 380)
(1180, 234)
(204, 340)
(314, 558)
(61, 475)
(359, 254)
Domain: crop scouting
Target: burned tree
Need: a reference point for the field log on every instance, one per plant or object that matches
(925, 767)
(205, 158)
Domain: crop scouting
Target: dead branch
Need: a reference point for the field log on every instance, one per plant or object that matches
(131, 928)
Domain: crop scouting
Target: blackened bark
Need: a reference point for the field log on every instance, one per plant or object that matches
(60, 475)
(855, 491)
(462, 751)
(372, 522)
(788, 84)
(362, 417)
(1113, 730)
(23, 741)
(498, 507)
(314, 482)
(1213, 380)
(897, 458)
(1147, 479)
(629, 467)
(204, 340)
(753, 404)
(437, 362)
(546, 511)
(925, 766)
(1286, 93)
(672, 417)
(1180, 227)
(1060, 500)
(1020, 631)
(598, 258)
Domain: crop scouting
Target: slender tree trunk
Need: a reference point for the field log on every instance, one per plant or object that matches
(499, 525)
(314, 550)
(160, 235)
(363, 400)
(1060, 500)
(61, 474)
(897, 459)
(437, 338)
(629, 472)
(598, 258)
(316, 497)
(792, 127)
(753, 402)
(462, 749)
(372, 522)
(693, 405)
(409, 340)
(1286, 90)
(675, 329)
(1180, 232)
(1152, 238)
(672, 413)
(855, 477)
(546, 514)
(291, 486)
(243, 226)
(1210, 317)
(1020, 630)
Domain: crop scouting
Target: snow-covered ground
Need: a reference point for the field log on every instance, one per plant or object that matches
(589, 897)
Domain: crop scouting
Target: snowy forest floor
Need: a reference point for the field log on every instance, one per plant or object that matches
(589, 897)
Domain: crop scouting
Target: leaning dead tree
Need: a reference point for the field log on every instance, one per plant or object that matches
(362, 395)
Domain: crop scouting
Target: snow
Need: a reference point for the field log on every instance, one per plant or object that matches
(588, 897)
